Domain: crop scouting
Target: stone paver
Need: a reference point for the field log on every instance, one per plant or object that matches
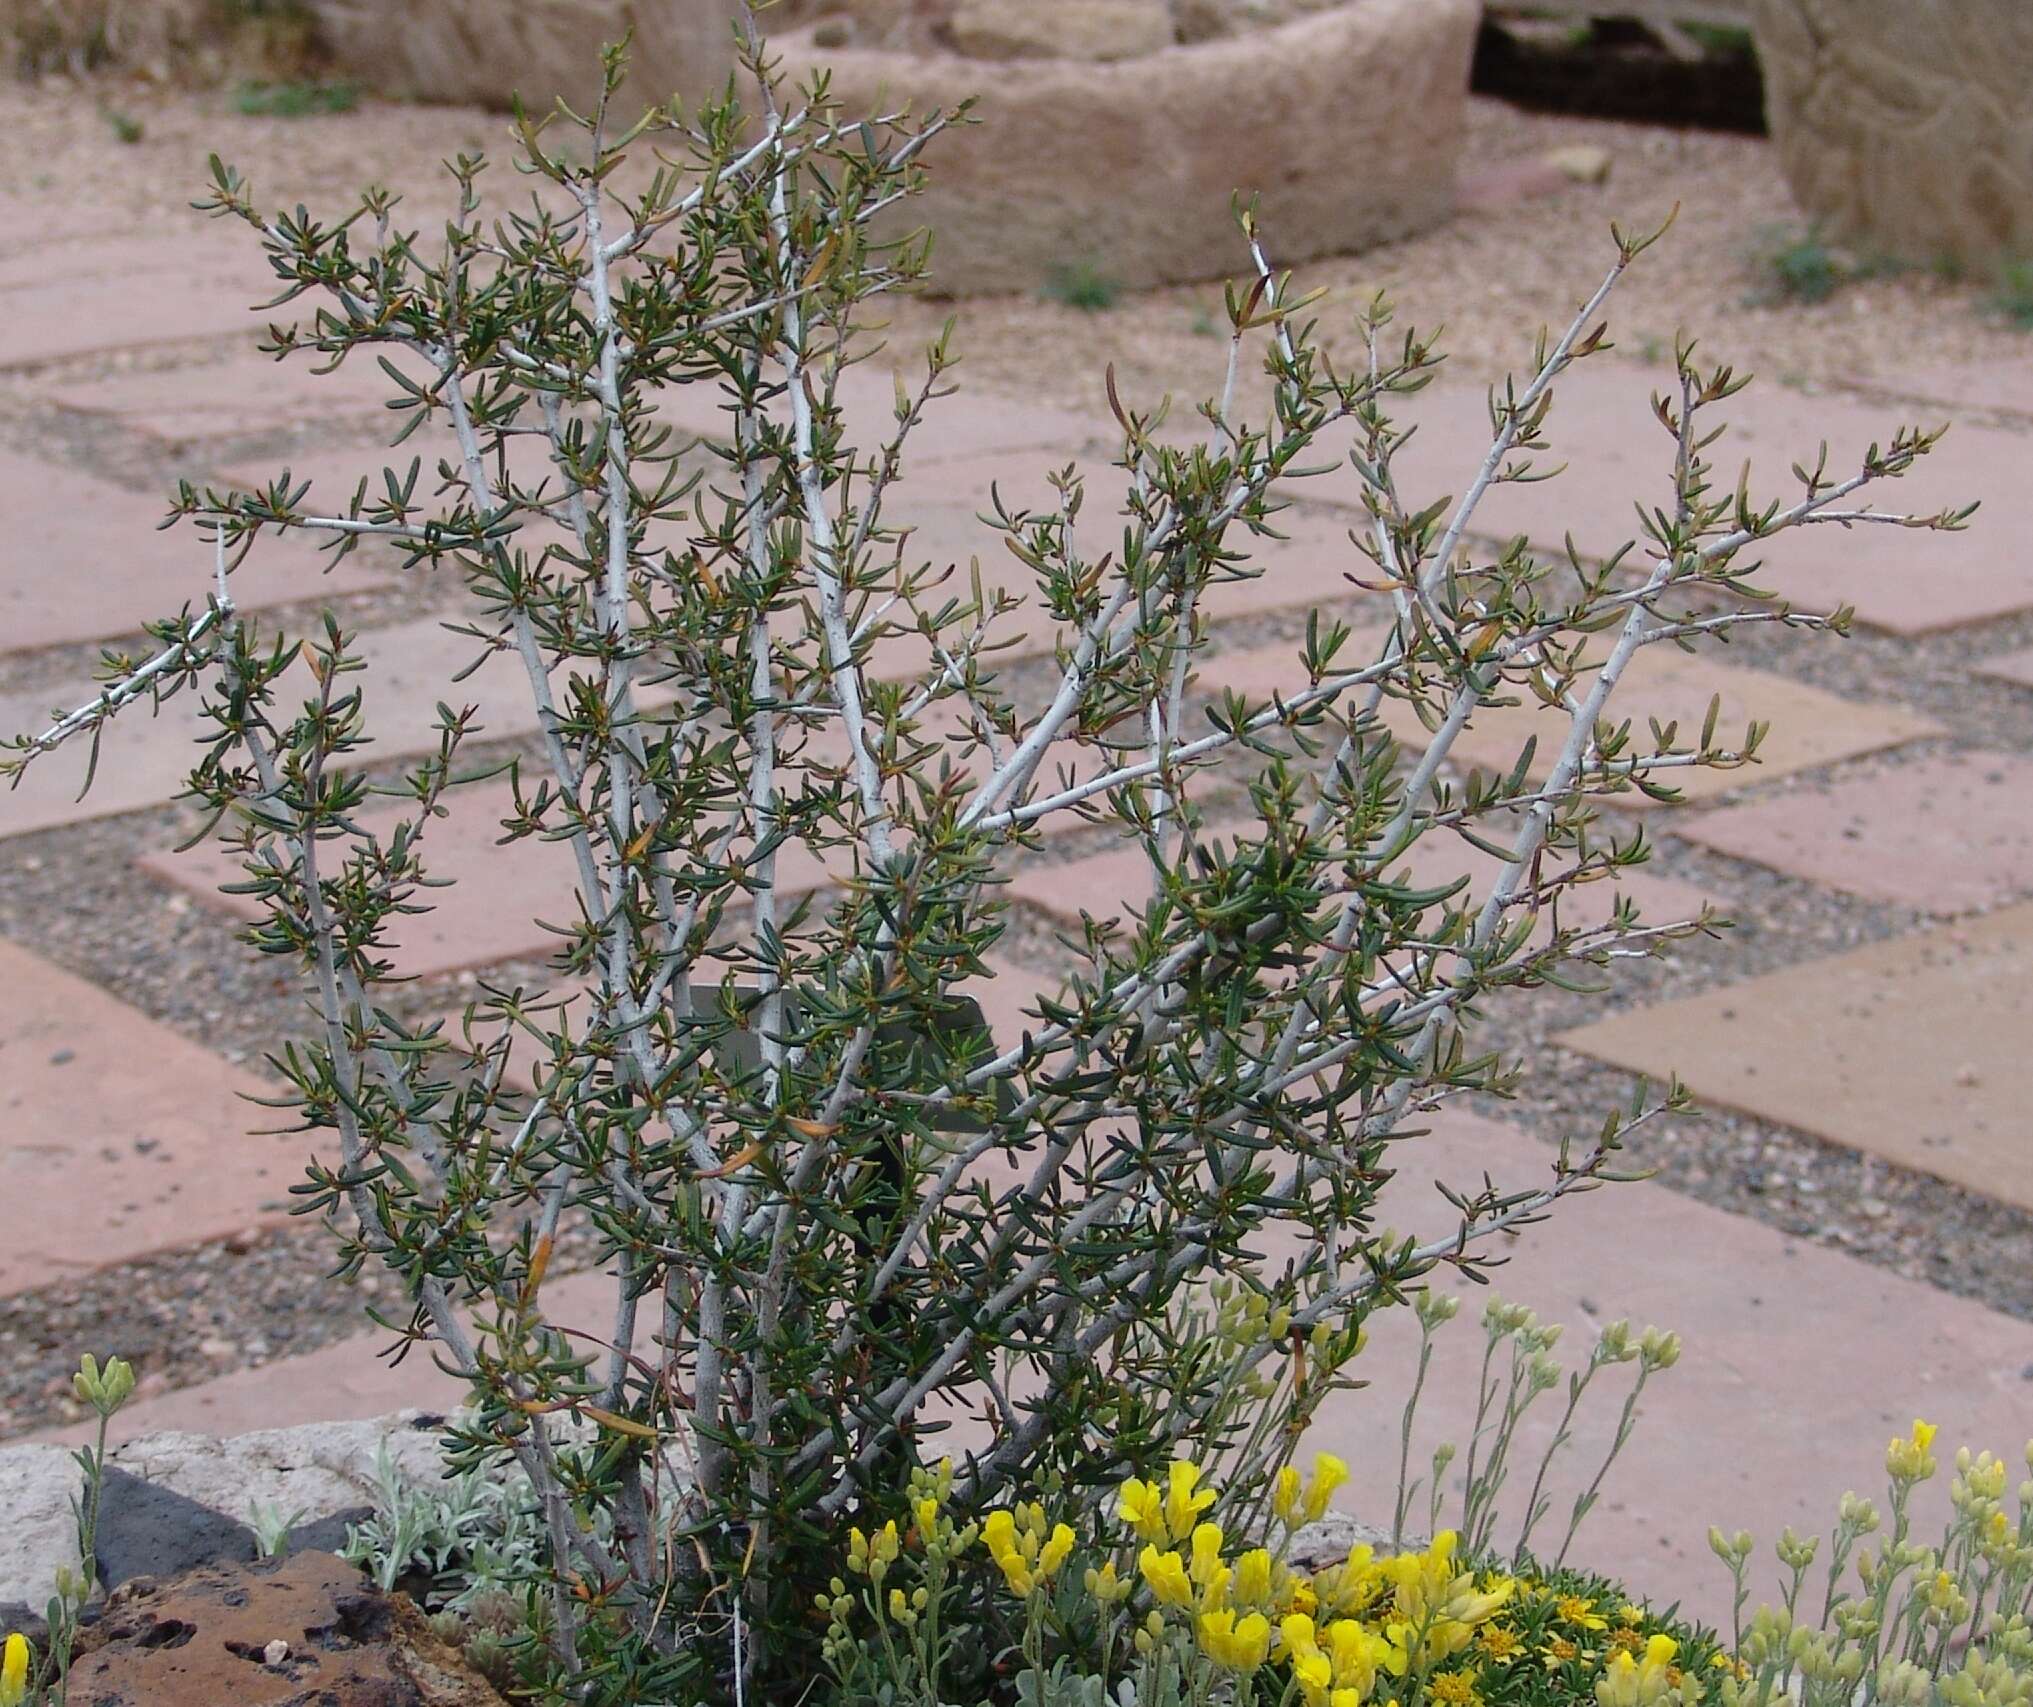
(87, 560)
(1911, 1050)
(2000, 382)
(965, 424)
(123, 293)
(143, 761)
(491, 912)
(1809, 727)
(1615, 454)
(1117, 883)
(342, 1382)
(942, 502)
(1307, 567)
(117, 1136)
(1799, 1364)
(246, 393)
(2013, 667)
(1950, 833)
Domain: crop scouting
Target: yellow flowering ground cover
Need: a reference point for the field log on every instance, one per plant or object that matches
(1164, 1597)
(1153, 1598)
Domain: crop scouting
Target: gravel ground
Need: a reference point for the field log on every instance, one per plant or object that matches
(1491, 277)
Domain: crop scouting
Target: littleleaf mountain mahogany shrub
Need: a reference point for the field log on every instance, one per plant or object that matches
(839, 1214)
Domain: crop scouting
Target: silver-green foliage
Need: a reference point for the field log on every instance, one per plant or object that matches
(470, 1537)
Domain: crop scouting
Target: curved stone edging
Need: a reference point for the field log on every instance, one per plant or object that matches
(1347, 123)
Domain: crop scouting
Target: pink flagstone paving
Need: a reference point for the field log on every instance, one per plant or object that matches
(1799, 1364)
(143, 761)
(246, 393)
(1603, 432)
(2014, 667)
(1809, 726)
(498, 905)
(951, 428)
(118, 1137)
(1118, 883)
(87, 560)
(1307, 567)
(1913, 1050)
(343, 1382)
(2000, 383)
(121, 293)
(942, 503)
(1951, 833)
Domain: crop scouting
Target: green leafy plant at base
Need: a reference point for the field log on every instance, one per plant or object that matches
(1084, 287)
(1800, 267)
(2013, 297)
(838, 1216)
(124, 126)
(294, 100)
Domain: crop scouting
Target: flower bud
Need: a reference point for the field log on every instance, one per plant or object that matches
(105, 1390)
(1796, 1552)
(1658, 1349)
(1435, 1309)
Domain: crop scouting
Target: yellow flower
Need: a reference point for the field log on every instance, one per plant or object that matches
(1359, 1654)
(1908, 1459)
(1437, 1606)
(1185, 1500)
(1631, 1615)
(1256, 1579)
(872, 1555)
(1166, 1573)
(1028, 1557)
(1287, 1495)
(1631, 1682)
(1239, 1644)
(1141, 1505)
(999, 1536)
(1500, 1642)
(1352, 1585)
(1209, 1574)
(1454, 1689)
(1560, 1652)
(1328, 1474)
(14, 1671)
(1312, 1670)
(1573, 1609)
